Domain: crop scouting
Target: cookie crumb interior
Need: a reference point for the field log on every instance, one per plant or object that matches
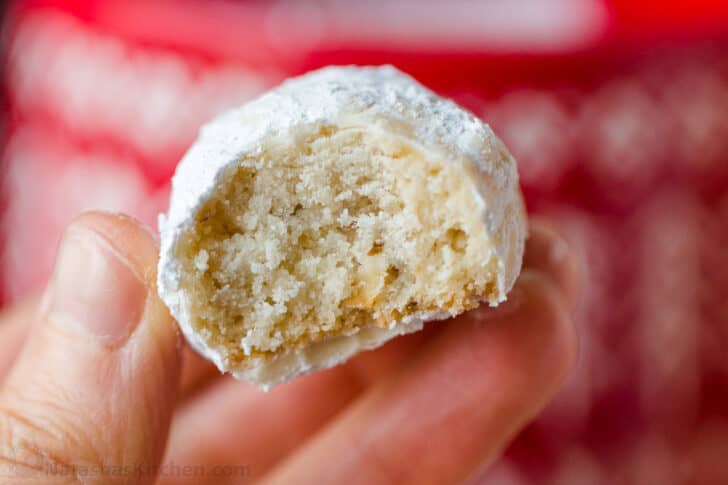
(327, 232)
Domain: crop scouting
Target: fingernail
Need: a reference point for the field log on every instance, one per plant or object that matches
(94, 289)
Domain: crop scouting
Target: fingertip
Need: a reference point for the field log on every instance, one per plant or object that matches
(549, 252)
(136, 244)
(132, 239)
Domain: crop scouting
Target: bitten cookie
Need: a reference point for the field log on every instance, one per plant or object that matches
(339, 210)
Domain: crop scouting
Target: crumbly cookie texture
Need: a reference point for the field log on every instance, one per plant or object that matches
(337, 211)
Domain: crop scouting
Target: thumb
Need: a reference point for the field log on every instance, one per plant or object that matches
(91, 396)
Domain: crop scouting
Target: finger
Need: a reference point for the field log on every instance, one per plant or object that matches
(14, 324)
(237, 425)
(279, 420)
(458, 403)
(369, 367)
(94, 387)
(547, 251)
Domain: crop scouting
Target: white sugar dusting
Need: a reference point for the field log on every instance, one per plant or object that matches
(380, 98)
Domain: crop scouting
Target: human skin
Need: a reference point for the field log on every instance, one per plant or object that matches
(97, 386)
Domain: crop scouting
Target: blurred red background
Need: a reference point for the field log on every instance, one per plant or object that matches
(617, 112)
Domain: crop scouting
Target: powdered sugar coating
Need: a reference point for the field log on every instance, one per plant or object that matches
(379, 98)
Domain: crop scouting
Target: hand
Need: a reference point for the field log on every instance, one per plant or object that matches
(97, 383)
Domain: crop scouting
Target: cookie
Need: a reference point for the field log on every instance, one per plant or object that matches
(339, 210)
